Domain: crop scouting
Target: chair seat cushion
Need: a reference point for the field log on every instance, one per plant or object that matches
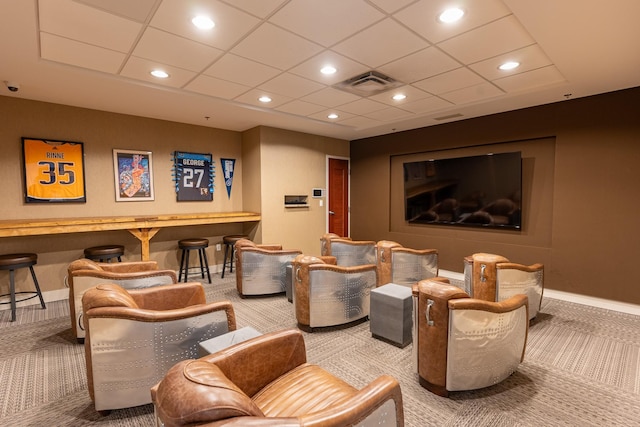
(302, 391)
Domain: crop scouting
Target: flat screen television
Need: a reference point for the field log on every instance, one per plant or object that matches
(477, 191)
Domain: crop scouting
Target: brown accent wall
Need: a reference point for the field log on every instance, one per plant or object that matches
(580, 191)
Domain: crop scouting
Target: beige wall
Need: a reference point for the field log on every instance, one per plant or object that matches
(580, 184)
(101, 132)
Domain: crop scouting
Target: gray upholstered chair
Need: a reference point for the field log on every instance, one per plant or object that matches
(348, 252)
(83, 274)
(462, 343)
(330, 295)
(493, 278)
(267, 381)
(134, 336)
(261, 269)
(404, 266)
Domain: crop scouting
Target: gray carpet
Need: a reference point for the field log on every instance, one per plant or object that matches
(582, 368)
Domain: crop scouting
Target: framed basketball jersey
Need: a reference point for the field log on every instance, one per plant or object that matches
(53, 171)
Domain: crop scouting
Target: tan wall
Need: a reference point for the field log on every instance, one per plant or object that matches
(101, 132)
(580, 189)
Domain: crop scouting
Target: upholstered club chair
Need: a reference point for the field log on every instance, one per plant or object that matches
(330, 295)
(267, 381)
(83, 274)
(404, 266)
(134, 336)
(462, 343)
(261, 269)
(493, 278)
(348, 252)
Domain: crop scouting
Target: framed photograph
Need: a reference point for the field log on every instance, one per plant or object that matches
(53, 171)
(193, 174)
(133, 173)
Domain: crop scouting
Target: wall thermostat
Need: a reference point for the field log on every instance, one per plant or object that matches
(317, 192)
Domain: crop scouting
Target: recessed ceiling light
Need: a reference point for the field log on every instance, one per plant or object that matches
(332, 116)
(203, 22)
(451, 15)
(510, 65)
(328, 69)
(264, 99)
(399, 96)
(159, 74)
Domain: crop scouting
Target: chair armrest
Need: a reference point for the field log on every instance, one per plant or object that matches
(129, 266)
(512, 265)
(343, 269)
(275, 251)
(269, 247)
(254, 363)
(168, 297)
(505, 306)
(415, 251)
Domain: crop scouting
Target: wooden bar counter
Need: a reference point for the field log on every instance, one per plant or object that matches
(142, 227)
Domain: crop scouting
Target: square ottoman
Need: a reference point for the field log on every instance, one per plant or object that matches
(223, 341)
(391, 314)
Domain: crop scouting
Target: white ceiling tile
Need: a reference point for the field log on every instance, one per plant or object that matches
(84, 23)
(300, 108)
(140, 68)
(535, 78)
(390, 6)
(380, 44)
(362, 106)
(330, 97)
(241, 70)
(324, 116)
(215, 87)
(291, 85)
(420, 65)
(476, 93)
(422, 17)
(276, 47)
(493, 39)
(389, 114)
(71, 52)
(251, 98)
(449, 81)
(261, 8)
(138, 10)
(174, 50)
(232, 24)
(411, 93)
(310, 18)
(530, 58)
(360, 122)
(426, 105)
(346, 68)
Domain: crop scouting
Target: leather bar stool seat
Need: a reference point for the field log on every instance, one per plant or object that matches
(187, 245)
(13, 262)
(104, 253)
(229, 242)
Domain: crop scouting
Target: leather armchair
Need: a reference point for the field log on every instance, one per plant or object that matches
(261, 269)
(135, 336)
(463, 343)
(330, 295)
(267, 381)
(404, 266)
(348, 252)
(493, 278)
(83, 274)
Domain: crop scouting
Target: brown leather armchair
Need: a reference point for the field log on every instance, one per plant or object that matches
(326, 294)
(135, 336)
(83, 274)
(463, 343)
(404, 266)
(261, 269)
(348, 252)
(267, 381)
(493, 278)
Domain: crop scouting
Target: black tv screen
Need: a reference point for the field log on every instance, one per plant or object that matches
(477, 191)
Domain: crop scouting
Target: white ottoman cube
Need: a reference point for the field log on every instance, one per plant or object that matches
(390, 315)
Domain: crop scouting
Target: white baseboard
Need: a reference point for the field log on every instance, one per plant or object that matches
(622, 307)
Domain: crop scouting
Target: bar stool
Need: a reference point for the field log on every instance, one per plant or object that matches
(104, 253)
(12, 262)
(229, 242)
(187, 245)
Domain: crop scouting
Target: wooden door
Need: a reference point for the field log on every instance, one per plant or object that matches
(339, 197)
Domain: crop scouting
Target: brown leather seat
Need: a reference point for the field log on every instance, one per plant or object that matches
(104, 253)
(267, 381)
(194, 244)
(229, 246)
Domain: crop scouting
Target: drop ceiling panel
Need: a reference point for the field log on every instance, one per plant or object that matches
(426, 105)
(139, 68)
(83, 55)
(389, 114)
(216, 87)
(241, 70)
(251, 98)
(137, 10)
(530, 58)
(471, 94)
(390, 6)
(362, 106)
(330, 97)
(261, 8)
(346, 68)
(545, 76)
(324, 116)
(411, 93)
(449, 81)
(291, 85)
(420, 65)
(300, 108)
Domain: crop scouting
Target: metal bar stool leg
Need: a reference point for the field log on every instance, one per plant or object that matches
(224, 263)
(206, 264)
(181, 266)
(233, 250)
(200, 251)
(12, 290)
(35, 282)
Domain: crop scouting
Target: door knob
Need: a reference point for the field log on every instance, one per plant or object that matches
(332, 213)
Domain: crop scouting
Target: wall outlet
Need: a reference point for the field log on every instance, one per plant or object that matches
(218, 247)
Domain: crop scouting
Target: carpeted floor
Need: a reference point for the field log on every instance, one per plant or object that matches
(581, 368)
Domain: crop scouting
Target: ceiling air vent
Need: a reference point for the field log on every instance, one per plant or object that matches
(367, 84)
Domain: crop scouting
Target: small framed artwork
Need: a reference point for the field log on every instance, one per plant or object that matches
(193, 173)
(53, 171)
(133, 173)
